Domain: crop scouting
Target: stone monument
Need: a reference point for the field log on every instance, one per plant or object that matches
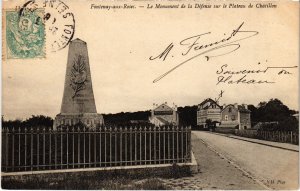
(78, 103)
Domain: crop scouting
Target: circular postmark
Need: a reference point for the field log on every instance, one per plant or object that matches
(58, 20)
(25, 35)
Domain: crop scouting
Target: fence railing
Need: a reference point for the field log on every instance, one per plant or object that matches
(277, 136)
(28, 149)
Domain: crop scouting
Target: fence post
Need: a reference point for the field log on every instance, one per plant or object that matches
(145, 144)
(7, 151)
(84, 134)
(61, 148)
(164, 141)
(110, 152)
(121, 145)
(130, 145)
(116, 146)
(173, 143)
(141, 128)
(19, 142)
(186, 143)
(105, 131)
(73, 147)
(150, 145)
(90, 130)
(38, 146)
(125, 137)
(95, 148)
(13, 149)
(44, 148)
(31, 149)
(190, 142)
(6, 147)
(67, 145)
(154, 129)
(100, 145)
(159, 145)
(78, 146)
(181, 133)
(25, 144)
(168, 131)
(135, 145)
(177, 144)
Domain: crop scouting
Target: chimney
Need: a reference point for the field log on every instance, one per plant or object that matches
(235, 105)
(245, 106)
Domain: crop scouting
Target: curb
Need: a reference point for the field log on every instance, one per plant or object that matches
(192, 165)
(230, 136)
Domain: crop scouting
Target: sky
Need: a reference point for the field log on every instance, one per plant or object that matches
(120, 43)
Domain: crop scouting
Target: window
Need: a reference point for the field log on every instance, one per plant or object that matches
(233, 117)
(226, 117)
(229, 109)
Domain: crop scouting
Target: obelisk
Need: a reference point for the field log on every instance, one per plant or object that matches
(78, 103)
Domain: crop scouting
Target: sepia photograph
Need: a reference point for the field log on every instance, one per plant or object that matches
(150, 95)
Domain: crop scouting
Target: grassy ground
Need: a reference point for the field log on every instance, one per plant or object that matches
(142, 179)
(86, 183)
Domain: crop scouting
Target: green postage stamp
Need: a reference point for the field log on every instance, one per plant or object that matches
(25, 34)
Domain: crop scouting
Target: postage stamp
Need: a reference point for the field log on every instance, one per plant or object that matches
(25, 34)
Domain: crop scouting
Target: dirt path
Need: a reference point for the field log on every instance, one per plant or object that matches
(215, 172)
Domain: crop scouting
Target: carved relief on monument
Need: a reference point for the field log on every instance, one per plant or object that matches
(78, 76)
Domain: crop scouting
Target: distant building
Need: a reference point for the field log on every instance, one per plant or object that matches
(208, 110)
(296, 116)
(235, 116)
(164, 115)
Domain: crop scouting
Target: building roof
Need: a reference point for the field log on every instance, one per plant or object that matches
(241, 108)
(209, 100)
(165, 106)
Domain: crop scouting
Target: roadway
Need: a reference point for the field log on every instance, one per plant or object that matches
(274, 167)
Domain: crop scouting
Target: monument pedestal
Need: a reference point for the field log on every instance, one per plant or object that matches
(78, 103)
(91, 120)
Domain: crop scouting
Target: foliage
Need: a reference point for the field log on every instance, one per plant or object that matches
(125, 118)
(274, 111)
(188, 115)
(34, 121)
(288, 124)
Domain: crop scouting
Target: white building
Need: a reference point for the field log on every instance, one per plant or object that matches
(164, 115)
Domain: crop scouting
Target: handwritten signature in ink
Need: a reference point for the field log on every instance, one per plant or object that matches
(192, 45)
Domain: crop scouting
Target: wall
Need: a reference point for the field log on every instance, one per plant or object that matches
(245, 121)
(232, 116)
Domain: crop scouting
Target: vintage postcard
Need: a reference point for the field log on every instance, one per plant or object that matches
(150, 94)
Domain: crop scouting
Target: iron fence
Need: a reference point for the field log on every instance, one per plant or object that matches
(31, 149)
(277, 136)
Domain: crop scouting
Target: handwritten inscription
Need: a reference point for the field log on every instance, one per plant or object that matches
(227, 76)
(193, 48)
